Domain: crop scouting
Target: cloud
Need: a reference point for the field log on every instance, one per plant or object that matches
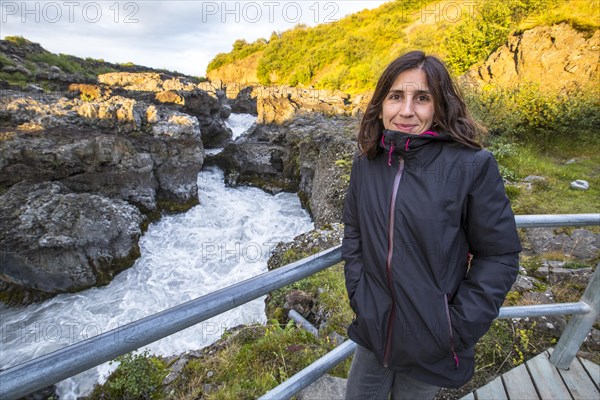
(177, 35)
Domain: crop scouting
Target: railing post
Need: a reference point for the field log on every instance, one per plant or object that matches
(579, 326)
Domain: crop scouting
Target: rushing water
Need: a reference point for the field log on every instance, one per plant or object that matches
(239, 123)
(227, 238)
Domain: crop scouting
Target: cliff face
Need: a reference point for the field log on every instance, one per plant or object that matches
(240, 71)
(555, 57)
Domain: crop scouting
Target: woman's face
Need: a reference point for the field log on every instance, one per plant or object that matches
(408, 106)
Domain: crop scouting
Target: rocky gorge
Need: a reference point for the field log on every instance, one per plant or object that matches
(85, 168)
(83, 158)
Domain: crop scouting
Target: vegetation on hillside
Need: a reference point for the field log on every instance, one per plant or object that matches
(241, 49)
(554, 136)
(349, 54)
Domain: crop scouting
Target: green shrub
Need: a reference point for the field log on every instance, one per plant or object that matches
(531, 264)
(14, 78)
(241, 49)
(18, 40)
(138, 376)
(581, 15)
(348, 54)
(4, 60)
(526, 114)
(512, 191)
(474, 39)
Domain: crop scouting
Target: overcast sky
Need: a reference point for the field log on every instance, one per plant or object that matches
(176, 35)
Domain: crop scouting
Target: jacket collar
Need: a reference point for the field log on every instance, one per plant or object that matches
(407, 145)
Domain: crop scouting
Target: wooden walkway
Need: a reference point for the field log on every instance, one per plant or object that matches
(539, 379)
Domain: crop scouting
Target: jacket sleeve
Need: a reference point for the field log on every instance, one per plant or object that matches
(351, 243)
(494, 244)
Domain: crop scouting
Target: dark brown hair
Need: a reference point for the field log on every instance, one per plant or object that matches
(450, 111)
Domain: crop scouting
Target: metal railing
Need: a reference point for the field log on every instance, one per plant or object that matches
(51, 368)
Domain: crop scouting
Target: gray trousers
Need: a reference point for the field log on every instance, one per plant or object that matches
(369, 379)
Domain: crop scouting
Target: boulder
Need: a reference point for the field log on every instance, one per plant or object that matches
(89, 92)
(211, 114)
(53, 240)
(17, 68)
(169, 96)
(523, 284)
(147, 82)
(581, 243)
(277, 104)
(580, 184)
(244, 102)
(554, 272)
(326, 387)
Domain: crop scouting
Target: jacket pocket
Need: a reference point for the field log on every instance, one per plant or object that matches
(450, 330)
(357, 296)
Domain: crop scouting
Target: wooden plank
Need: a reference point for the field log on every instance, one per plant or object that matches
(546, 378)
(593, 371)
(518, 384)
(492, 391)
(579, 383)
(550, 382)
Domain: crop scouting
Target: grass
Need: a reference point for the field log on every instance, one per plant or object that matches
(18, 40)
(5, 60)
(65, 62)
(255, 359)
(583, 16)
(554, 195)
(327, 287)
(138, 376)
(14, 78)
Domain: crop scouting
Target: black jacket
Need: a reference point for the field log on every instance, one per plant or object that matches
(413, 216)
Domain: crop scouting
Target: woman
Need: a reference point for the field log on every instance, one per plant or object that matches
(430, 241)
